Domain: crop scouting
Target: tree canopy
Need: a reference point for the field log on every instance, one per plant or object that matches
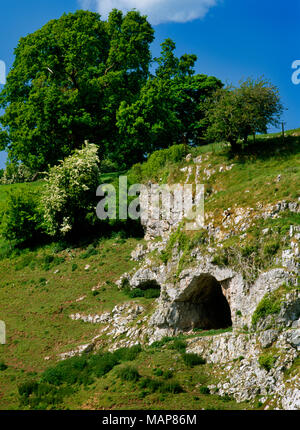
(80, 78)
(236, 113)
(171, 106)
(67, 82)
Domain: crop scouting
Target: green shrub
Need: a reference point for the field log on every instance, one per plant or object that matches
(177, 237)
(150, 293)
(192, 360)
(150, 384)
(226, 398)
(90, 251)
(160, 343)
(271, 248)
(221, 259)
(27, 388)
(68, 371)
(267, 361)
(41, 396)
(22, 219)
(168, 374)
(108, 166)
(128, 354)
(172, 387)
(62, 380)
(179, 345)
(16, 173)
(103, 363)
(60, 246)
(135, 293)
(128, 373)
(156, 163)
(269, 305)
(204, 390)
(3, 366)
(24, 262)
(158, 372)
(249, 250)
(154, 385)
(50, 261)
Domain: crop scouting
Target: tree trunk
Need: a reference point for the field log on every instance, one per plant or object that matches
(234, 145)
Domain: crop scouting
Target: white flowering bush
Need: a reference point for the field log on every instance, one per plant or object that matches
(16, 173)
(69, 195)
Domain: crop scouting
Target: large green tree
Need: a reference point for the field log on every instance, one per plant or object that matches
(170, 109)
(235, 113)
(67, 83)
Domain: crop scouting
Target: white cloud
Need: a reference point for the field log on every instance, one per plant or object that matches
(158, 11)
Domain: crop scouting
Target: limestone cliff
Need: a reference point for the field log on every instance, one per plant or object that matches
(261, 302)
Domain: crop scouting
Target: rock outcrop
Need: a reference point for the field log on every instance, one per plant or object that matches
(205, 295)
(255, 359)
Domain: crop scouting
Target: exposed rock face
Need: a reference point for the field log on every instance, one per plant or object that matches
(245, 378)
(208, 296)
(207, 290)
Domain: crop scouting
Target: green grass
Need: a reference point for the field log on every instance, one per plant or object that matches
(38, 293)
(294, 370)
(267, 361)
(180, 391)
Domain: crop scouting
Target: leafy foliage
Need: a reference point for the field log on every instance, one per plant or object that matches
(22, 219)
(16, 173)
(3, 366)
(267, 361)
(179, 345)
(236, 113)
(170, 109)
(269, 305)
(192, 360)
(69, 194)
(63, 379)
(154, 385)
(67, 82)
(156, 163)
(128, 373)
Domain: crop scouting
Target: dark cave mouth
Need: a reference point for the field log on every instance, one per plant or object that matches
(203, 306)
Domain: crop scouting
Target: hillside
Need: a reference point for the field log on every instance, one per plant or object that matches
(60, 299)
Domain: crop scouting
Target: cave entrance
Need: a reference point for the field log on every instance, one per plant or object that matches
(203, 305)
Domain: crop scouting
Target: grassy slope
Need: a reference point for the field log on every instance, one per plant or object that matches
(36, 302)
(256, 173)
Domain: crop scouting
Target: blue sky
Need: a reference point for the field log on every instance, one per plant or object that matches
(233, 39)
